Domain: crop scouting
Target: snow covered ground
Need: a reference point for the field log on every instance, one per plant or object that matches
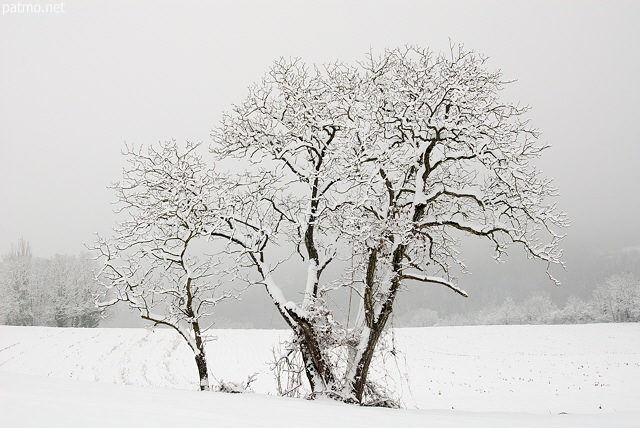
(493, 376)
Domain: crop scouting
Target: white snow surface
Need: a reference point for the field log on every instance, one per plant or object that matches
(481, 376)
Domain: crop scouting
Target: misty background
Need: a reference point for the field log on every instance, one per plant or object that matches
(75, 86)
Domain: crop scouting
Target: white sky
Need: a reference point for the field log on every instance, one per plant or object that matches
(75, 86)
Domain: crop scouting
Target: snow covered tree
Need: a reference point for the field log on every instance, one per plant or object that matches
(71, 289)
(420, 317)
(17, 285)
(379, 169)
(538, 308)
(576, 311)
(57, 291)
(505, 313)
(618, 298)
(160, 261)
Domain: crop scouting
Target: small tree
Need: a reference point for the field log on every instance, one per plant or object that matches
(71, 288)
(538, 308)
(419, 317)
(157, 261)
(506, 313)
(17, 278)
(576, 311)
(379, 169)
(618, 298)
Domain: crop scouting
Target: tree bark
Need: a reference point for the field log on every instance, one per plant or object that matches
(201, 359)
(316, 368)
(377, 327)
(203, 371)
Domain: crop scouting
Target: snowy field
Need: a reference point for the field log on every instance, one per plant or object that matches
(482, 376)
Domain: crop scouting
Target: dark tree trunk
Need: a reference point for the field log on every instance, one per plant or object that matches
(201, 359)
(377, 326)
(203, 372)
(362, 367)
(314, 362)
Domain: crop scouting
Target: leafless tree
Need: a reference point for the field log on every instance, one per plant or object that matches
(160, 260)
(71, 289)
(57, 291)
(617, 299)
(381, 167)
(17, 281)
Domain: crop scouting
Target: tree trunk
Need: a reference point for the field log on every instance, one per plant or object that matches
(377, 326)
(363, 364)
(310, 369)
(316, 368)
(203, 372)
(201, 359)
(60, 320)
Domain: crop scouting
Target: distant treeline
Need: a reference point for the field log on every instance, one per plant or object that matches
(617, 299)
(57, 291)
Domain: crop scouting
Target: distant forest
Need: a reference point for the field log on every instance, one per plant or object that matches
(59, 291)
(617, 299)
(56, 292)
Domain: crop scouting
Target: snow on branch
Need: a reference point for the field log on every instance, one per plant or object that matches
(379, 165)
(435, 280)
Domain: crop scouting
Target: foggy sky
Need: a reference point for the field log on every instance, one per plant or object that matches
(75, 86)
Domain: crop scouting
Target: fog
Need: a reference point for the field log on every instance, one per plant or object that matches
(75, 86)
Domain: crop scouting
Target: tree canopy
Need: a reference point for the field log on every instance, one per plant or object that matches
(372, 170)
(385, 163)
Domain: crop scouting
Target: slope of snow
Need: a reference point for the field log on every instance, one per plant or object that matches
(584, 375)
